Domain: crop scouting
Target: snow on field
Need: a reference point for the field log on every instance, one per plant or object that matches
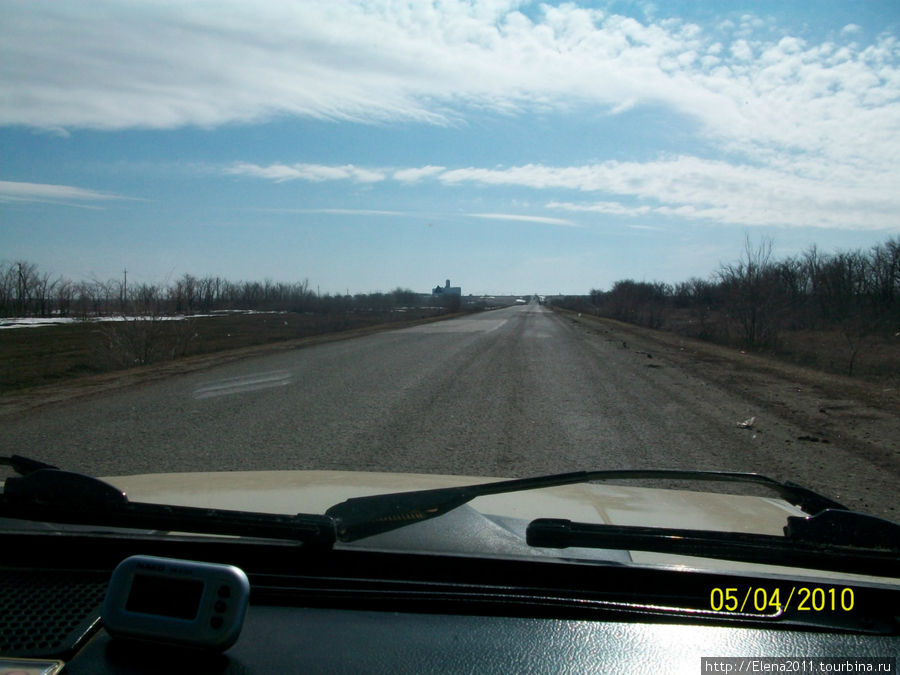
(34, 322)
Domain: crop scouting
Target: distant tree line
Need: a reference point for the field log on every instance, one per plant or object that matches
(25, 291)
(753, 300)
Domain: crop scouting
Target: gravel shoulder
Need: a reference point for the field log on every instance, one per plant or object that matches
(836, 433)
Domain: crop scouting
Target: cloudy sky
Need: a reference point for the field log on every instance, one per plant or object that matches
(513, 147)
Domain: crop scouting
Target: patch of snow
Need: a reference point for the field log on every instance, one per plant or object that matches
(33, 322)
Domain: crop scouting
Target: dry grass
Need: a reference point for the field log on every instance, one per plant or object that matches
(829, 351)
(878, 360)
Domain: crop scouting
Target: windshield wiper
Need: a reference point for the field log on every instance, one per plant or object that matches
(47, 494)
(360, 517)
(841, 541)
(832, 538)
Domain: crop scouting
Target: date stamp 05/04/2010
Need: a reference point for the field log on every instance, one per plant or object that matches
(777, 599)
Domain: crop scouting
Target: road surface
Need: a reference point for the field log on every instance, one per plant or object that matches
(513, 392)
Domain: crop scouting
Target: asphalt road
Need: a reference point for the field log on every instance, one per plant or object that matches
(513, 392)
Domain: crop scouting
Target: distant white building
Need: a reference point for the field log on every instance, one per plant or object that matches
(447, 289)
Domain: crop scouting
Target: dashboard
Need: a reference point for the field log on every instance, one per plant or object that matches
(365, 611)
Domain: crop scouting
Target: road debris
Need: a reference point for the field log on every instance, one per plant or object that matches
(747, 423)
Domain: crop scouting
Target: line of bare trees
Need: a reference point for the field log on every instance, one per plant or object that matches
(753, 300)
(25, 291)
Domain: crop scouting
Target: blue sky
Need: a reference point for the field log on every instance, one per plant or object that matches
(512, 147)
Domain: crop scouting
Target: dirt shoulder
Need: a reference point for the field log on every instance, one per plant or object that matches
(15, 402)
(862, 417)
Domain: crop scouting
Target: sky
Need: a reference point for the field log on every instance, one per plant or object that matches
(512, 147)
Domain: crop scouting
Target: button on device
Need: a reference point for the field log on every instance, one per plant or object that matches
(220, 607)
(224, 591)
(216, 622)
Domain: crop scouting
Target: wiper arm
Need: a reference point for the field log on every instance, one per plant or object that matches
(53, 495)
(841, 541)
(360, 517)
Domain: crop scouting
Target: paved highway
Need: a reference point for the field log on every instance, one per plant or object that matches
(512, 392)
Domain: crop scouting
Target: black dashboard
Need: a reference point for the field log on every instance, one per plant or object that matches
(291, 639)
(367, 611)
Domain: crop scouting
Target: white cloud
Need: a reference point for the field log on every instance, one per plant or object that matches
(306, 172)
(524, 219)
(167, 64)
(741, 50)
(342, 212)
(814, 122)
(418, 174)
(364, 175)
(608, 208)
(787, 192)
(11, 191)
(694, 188)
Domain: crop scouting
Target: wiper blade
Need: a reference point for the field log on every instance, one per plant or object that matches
(24, 465)
(53, 495)
(360, 517)
(840, 541)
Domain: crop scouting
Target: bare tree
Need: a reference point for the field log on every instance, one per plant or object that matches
(65, 292)
(753, 295)
(884, 273)
(7, 289)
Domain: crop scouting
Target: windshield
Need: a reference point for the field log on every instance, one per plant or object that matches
(469, 239)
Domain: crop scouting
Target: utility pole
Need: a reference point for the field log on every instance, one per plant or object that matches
(124, 288)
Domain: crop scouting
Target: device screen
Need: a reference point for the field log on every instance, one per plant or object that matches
(164, 596)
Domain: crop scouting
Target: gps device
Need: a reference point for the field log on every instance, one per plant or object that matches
(182, 602)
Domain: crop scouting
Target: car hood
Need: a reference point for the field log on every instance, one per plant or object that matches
(487, 526)
(316, 491)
